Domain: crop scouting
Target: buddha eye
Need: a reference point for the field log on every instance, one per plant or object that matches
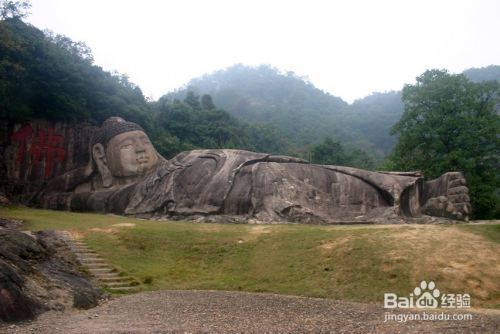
(126, 146)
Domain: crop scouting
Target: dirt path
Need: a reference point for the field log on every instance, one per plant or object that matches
(230, 312)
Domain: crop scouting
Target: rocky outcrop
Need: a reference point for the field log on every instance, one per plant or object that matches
(126, 175)
(31, 153)
(39, 273)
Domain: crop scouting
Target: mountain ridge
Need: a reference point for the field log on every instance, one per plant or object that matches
(306, 114)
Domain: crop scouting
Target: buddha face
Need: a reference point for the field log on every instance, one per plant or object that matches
(130, 154)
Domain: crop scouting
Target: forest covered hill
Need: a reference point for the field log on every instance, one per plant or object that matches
(49, 76)
(264, 95)
(304, 113)
(487, 73)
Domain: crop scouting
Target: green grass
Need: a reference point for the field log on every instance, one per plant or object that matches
(490, 232)
(36, 219)
(357, 263)
(187, 256)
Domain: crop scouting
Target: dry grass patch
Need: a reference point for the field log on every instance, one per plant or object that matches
(457, 260)
(334, 244)
(124, 225)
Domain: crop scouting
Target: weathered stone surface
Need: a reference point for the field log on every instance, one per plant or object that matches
(453, 200)
(34, 152)
(126, 175)
(37, 273)
(4, 200)
(10, 223)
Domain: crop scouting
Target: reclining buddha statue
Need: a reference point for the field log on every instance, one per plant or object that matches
(126, 175)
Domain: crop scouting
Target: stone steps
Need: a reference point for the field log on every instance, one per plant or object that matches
(85, 255)
(119, 284)
(105, 274)
(91, 260)
(110, 279)
(96, 265)
(85, 252)
(97, 271)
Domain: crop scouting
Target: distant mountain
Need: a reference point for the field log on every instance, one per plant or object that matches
(264, 95)
(373, 116)
(304, 113)
(52, 77)
(487, 73)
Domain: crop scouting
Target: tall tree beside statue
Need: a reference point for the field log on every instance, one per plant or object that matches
(452, 124)
(14, 9)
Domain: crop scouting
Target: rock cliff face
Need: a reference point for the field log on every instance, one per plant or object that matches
(38, 273)
(34, 152)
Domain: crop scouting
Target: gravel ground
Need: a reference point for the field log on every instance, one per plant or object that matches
(235, 312)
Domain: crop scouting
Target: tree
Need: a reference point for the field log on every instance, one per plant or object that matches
(193, 100)
(451, 124)
(207, 102)
(332, 152)
(49, 76)
(329, 152)
(14, 9)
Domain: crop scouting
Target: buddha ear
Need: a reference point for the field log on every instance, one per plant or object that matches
(99, 155)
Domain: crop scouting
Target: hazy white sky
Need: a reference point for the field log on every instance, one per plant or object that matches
(348, 48)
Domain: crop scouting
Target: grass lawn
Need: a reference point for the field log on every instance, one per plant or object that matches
(358, 263)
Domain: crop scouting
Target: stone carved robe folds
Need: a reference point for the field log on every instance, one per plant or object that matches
(261, 186)
(269, 188)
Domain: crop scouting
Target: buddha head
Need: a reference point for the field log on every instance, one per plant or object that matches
(122, 152)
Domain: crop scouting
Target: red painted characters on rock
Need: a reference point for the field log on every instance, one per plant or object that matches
(44, 146)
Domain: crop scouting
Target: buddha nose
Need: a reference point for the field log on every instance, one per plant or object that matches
(140, 147)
